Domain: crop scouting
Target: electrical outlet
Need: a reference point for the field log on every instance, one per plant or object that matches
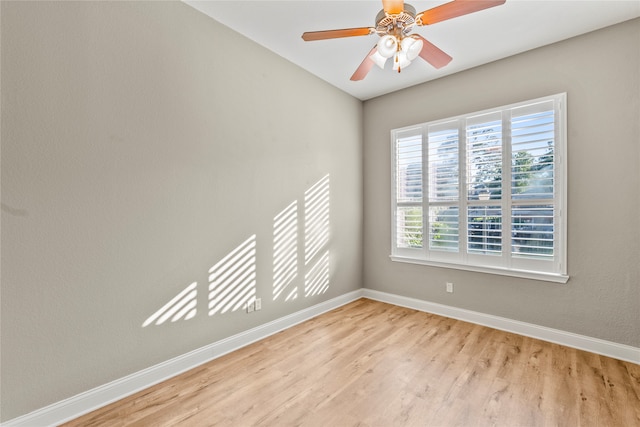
(449, 287)
(250, 307)
(258, 304)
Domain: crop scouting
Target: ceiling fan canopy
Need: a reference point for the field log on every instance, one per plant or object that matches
(394, 24)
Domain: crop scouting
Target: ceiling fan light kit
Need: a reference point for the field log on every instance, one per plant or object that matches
(387, 46)
(412, 47)
(394, 24)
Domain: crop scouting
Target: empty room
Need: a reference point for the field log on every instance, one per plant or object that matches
(320, 213)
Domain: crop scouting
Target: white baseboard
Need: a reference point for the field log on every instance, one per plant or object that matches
(594, 345)
(98, 397)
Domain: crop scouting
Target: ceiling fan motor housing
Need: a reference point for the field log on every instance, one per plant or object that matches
(398, 25)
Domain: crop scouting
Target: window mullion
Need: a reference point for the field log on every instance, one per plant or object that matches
(506, 188)
(426, 226)
(463, 191)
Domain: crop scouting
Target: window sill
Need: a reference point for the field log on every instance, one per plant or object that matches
(533, 275)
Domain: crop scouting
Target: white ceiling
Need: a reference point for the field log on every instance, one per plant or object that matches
(472, 40)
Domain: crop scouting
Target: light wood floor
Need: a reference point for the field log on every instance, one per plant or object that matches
(374, 364)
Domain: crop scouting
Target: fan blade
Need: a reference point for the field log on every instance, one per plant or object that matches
(365, 66)
(393, 7)
(454, 9)
(432, 54)
(334, 34)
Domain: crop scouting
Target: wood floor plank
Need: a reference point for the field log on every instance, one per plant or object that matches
(375, 364)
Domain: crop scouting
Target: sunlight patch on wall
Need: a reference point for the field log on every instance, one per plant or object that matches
(182, 306)
(232, 281)
(285, 253)
(316, 238)
(316, 219)
(316, 281)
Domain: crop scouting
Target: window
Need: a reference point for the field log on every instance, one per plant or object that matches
(484, 191)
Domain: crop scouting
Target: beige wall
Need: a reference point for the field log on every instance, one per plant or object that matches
(141, 143)
(600, 72)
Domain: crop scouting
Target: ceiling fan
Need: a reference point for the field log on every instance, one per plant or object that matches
(394, 24)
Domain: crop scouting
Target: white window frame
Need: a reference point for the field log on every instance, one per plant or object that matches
(553, 270)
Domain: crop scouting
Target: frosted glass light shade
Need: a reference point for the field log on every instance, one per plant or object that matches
(378, 59)
(387, 46)
(411, 47)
